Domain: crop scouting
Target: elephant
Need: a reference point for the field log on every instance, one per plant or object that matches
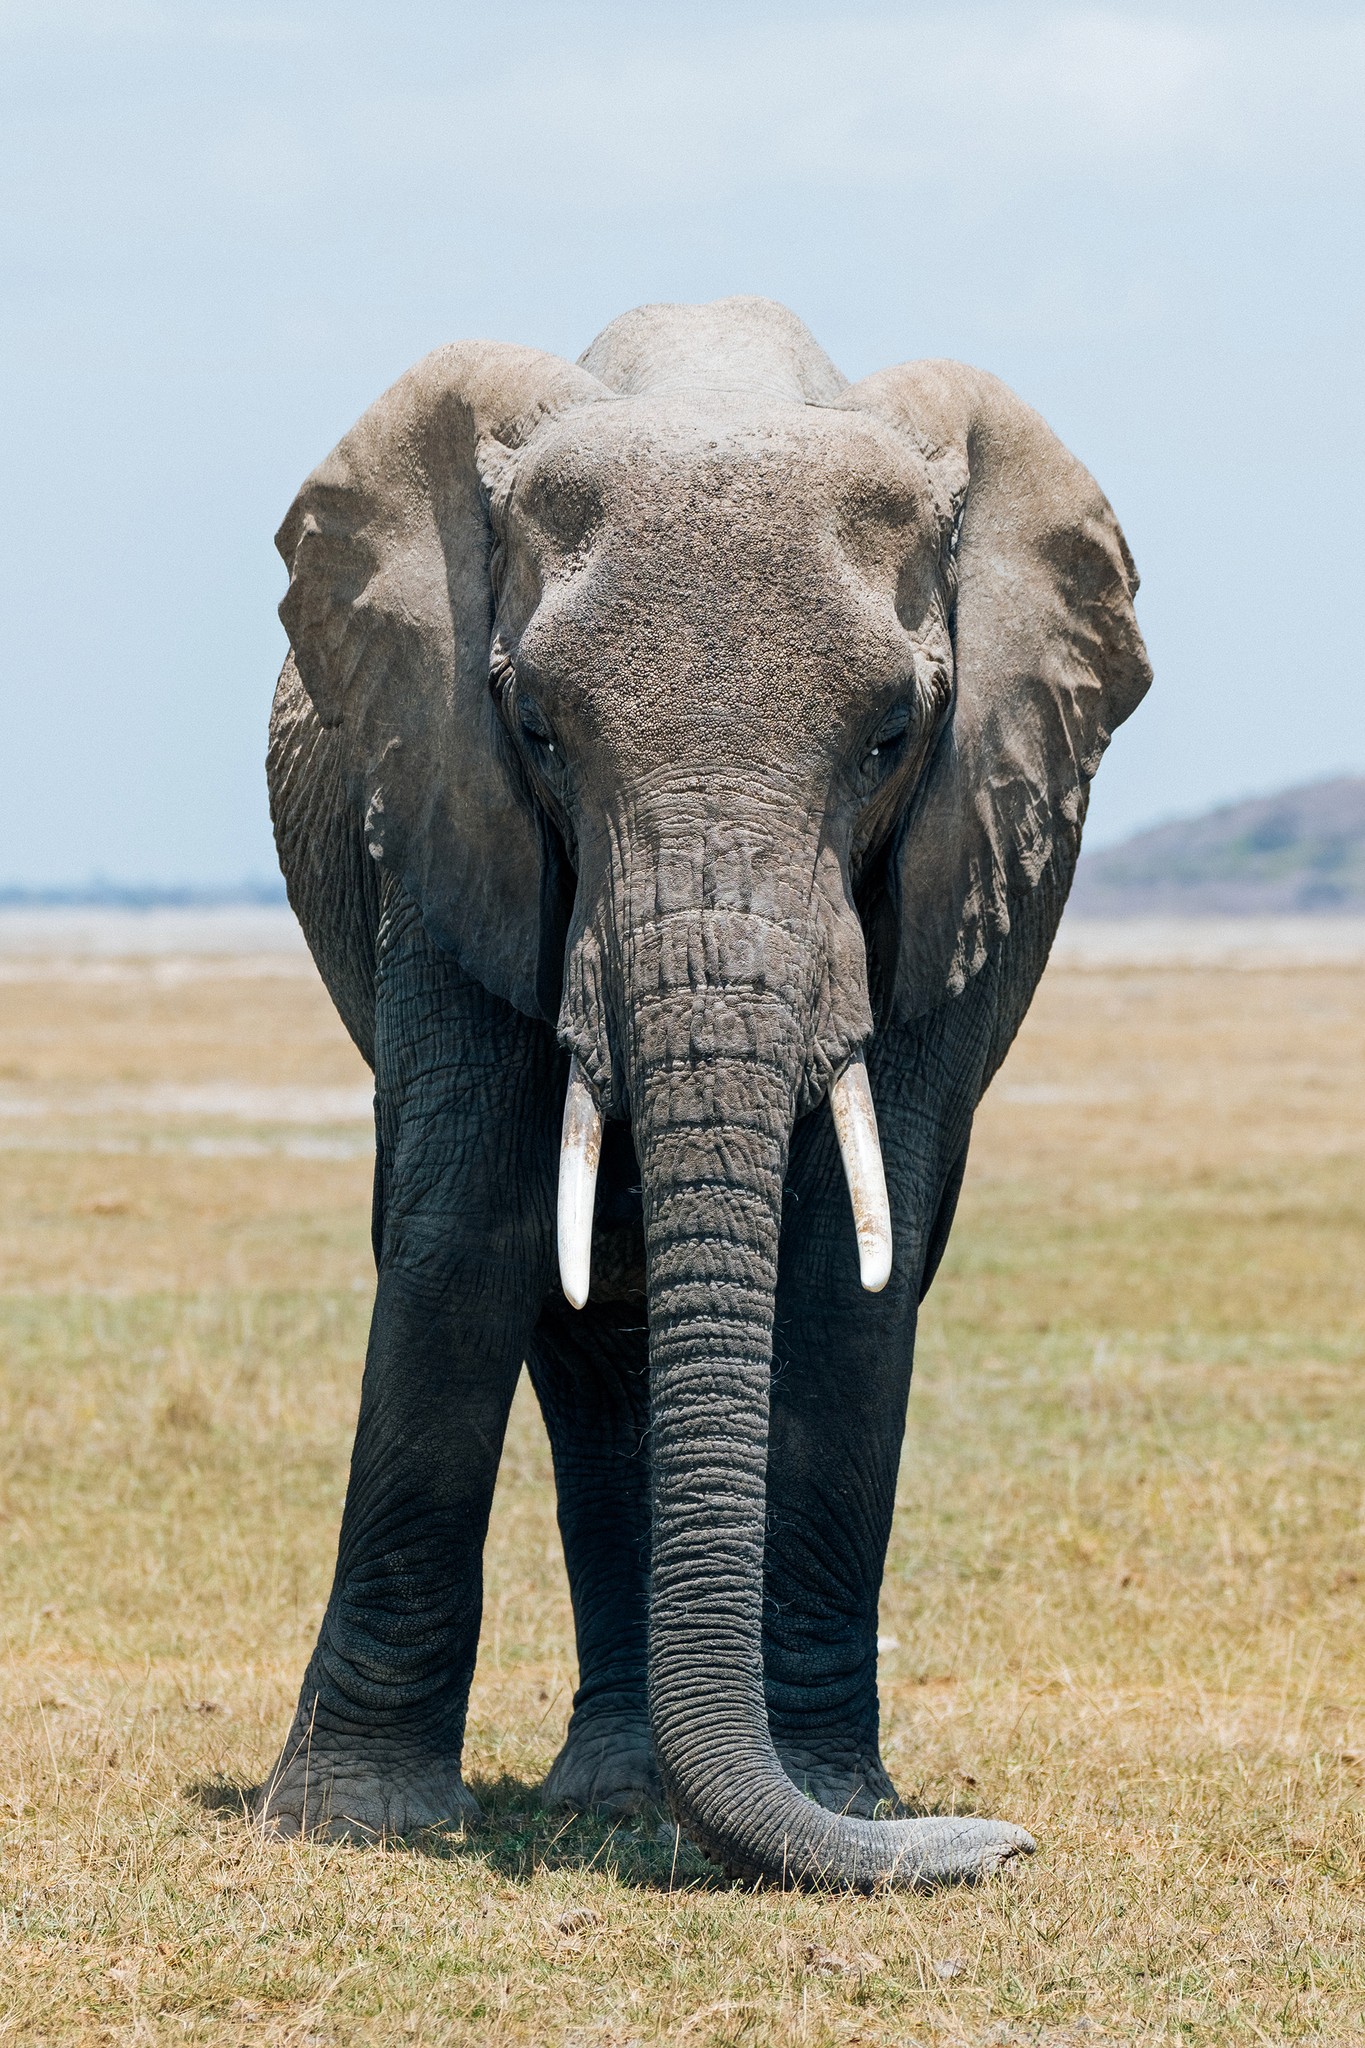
(678, 772)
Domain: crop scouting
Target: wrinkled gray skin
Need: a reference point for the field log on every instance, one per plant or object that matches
(695, 712)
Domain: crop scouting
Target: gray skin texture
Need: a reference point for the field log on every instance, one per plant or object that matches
(695, 712)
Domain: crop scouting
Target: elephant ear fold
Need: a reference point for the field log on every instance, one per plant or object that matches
(1048, 661)
(392, 557)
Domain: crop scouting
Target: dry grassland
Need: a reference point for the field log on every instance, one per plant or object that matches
(1123, 1604)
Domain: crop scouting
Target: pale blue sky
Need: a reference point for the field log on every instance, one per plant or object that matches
(224, 229)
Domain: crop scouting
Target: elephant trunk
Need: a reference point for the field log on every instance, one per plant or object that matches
(723, 1026)
(713, 1201)
(713, 1197)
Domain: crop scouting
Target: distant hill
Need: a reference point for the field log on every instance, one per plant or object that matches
(1301, 851)
(100, 894)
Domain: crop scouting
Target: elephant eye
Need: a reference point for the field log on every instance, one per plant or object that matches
(535, 726)
(890, 733)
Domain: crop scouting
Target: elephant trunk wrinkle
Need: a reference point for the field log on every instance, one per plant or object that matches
(708, 912)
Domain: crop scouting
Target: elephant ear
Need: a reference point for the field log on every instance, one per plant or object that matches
(392, 557)
(1048, 661)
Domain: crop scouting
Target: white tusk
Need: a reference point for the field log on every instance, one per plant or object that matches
(580, 1148)
(855, 1122)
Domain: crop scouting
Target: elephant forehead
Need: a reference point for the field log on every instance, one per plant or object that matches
(704, 632)
(643, 465)
(738, 561)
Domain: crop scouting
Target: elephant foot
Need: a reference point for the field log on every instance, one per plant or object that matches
(605, 1763)
(841, 1781)
(355, 1799)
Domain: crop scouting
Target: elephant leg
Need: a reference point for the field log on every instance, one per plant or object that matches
(590, 1373)
(838, 1403)
(842, 1366)
(467, 1094)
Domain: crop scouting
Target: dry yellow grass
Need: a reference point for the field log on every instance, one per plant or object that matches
(1125, 1585)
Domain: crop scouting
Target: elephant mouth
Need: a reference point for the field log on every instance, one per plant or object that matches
(855, 1124)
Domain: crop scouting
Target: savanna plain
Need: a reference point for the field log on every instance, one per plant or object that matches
(1123, 1602)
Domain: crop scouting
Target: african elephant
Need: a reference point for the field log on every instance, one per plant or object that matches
(680, 752)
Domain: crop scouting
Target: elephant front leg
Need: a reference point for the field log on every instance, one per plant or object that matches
(591, 1376)
(841, 1378)
(467, 1094)
(842, 1365)
(833, 1454)
(378, 1732)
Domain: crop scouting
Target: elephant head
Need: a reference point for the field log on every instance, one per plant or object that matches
(717, 712)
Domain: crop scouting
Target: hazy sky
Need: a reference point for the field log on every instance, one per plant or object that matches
(225, 229)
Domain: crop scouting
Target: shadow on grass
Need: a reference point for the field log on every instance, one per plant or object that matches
(516, 1837)
(222, 1795)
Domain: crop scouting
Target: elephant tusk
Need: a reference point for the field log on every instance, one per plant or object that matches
(580, 1148)
(855, 1122)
